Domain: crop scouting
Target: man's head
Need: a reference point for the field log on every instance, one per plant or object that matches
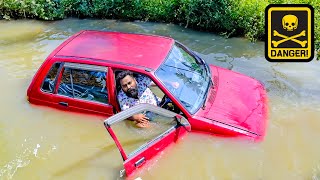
(128, 83)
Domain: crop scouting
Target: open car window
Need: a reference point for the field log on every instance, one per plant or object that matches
(147, 87)
(138, 145)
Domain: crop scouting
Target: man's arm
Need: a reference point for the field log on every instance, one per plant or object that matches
(124, 104)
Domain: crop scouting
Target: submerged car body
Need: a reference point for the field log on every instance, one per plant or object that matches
(79, 75)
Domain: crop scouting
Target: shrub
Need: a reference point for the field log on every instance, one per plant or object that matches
(40, 9)
(227, 17)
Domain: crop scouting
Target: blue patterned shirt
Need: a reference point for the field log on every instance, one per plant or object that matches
(145, 95)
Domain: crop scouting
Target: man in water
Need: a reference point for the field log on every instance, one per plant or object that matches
(135, 91)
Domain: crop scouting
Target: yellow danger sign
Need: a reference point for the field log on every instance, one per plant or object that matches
(290, 33)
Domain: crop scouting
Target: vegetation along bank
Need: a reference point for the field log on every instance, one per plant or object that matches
(227, 17)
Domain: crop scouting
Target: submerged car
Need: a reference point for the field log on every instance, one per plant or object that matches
(79, 75)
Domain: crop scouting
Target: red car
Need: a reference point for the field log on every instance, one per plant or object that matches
(79, 75)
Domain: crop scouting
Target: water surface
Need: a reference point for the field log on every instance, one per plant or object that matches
(43, 143)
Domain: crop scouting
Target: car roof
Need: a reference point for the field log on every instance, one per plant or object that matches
(126, 48)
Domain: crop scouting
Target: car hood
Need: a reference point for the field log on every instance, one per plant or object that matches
(236, 100)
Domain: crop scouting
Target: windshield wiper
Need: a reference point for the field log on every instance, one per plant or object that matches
(206, 67)
(206, 96)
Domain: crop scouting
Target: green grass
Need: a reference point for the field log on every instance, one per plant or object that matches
(227, 17)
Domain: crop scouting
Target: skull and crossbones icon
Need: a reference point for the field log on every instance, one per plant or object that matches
(289, 23)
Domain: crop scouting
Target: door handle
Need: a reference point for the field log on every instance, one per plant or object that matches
(64, 104)
(139, 162)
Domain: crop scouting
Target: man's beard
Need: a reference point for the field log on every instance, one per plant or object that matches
(132, 93)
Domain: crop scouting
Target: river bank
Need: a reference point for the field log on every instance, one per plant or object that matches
(43, 143)
(225, 17)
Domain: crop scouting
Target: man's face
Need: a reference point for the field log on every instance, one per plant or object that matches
(129, 86)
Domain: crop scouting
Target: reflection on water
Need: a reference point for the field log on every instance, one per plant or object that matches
(43, 143)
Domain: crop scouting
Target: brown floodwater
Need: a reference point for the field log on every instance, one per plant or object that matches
(43, 143)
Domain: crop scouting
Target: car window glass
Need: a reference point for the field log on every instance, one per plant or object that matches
(162, 100)
(84, 84)
(133, 138)
(181, 67)
(48, 84)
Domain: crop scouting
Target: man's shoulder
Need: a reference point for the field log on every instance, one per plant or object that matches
(143, 80)
(142, 77)
(121, 94)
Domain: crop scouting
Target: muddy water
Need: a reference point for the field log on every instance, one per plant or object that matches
(43, 143)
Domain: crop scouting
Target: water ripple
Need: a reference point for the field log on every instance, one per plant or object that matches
(23, 159)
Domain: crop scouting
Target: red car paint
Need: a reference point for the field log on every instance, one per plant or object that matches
(139, 50)
(236, 105)
(232, 95)
(150, 149)
(153, 150)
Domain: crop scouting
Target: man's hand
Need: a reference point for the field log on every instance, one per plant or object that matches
(141, 120)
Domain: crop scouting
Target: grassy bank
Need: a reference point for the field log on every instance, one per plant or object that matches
(227, 17)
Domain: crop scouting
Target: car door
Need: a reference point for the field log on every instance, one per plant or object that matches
(137, 146)
(83, 88)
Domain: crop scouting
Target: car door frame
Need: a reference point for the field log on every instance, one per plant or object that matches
(147, 151)
(81, 105)
(150, 74)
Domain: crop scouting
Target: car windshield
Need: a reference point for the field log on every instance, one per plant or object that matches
(191, 74)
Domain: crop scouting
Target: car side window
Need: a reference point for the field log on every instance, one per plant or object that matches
(152, 90)
(49, 81)
(127, 131)
(84, 84)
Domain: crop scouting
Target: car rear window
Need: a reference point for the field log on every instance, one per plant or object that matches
(84, 84)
